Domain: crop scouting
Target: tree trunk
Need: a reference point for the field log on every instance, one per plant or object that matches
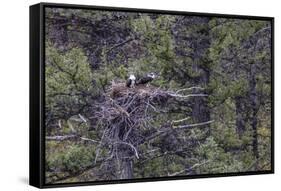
(254, 107)
(201, 44)
(240, 120)
(126, 169)
(200, 110)
(123, 155)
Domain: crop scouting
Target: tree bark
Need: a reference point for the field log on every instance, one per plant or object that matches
(254, 106)
(240, 120)
(200, 110)
(124, 155)
(126, 169)
(201, 44)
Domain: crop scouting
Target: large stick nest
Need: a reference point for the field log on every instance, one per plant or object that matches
(128, 115)
(127, 118)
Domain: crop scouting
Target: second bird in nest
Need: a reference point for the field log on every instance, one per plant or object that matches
(132, 81)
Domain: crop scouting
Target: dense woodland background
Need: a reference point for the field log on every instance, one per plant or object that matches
(209, 111)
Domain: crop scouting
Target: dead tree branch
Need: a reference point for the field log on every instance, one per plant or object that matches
(127, 118)
(189, 169)
(69, 137)
(193, 125)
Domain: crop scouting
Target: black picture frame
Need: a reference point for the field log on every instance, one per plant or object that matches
(37, 92)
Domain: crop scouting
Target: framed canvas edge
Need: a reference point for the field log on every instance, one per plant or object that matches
(40, 87)
(35, 65)
(159, 11)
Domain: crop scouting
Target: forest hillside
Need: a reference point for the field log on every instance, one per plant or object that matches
(208, 111)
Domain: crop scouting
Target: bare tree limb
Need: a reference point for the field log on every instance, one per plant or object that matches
(60, 138)
(87, 139)
(82, 118)
(181, 120)
(187, 96)
(69, 137)
(189, 169)
(193, 125)
(191, 88)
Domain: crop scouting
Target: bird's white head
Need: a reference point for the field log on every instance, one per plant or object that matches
(152, 75)
(132, 77)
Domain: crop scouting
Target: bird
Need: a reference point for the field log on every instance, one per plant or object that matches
(146, 79)
(131, 81)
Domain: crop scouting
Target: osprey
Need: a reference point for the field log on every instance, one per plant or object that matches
(131, 81)
(148, 78)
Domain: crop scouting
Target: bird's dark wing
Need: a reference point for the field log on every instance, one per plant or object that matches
(144, 80)
(128, 83)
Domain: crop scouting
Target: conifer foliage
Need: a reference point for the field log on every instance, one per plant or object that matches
(208, 111)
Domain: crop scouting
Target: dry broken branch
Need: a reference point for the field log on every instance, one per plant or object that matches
(60, 138)
(191, 88)
(126, 119)
(189, 169)
(69, 137)
(187, 96)
(193, 125)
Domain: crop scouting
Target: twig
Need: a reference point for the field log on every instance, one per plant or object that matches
(70, 126)
(188, 169)
(82, 118)
(186, 96)
(181, 120)
(87, 139)
(191, 88)
(60, 138)
(193, 125)
(69, 137)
